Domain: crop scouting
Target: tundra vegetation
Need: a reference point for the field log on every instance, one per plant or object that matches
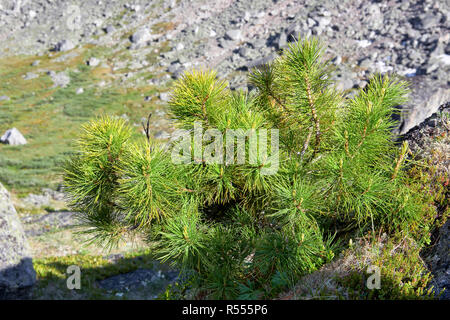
(237, 232)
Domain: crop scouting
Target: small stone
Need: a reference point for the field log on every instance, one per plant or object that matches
(363, 43)
(381, 67)
(30, 75)
(179, 46)
(13, 137)
(136, 8)
(323, 21)
(282, 40)
(247, 16)
(79, 91)
(141, 36)
(164, 96)
(64, 45)
(311, 22)
(337, 60)
(243, 51)
(234, 34)
(110, 29)
(4, 98)
(362, 83)
(60, 79)
(344, 84)
(408, 72)
(93, 62)
(365, 63)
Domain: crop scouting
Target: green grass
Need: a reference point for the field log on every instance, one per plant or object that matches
(50, 118)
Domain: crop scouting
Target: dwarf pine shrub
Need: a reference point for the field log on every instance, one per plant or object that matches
(309, 167)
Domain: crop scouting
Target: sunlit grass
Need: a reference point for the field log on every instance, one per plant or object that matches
(50, 117)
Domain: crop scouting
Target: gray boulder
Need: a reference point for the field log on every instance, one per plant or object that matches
(17, 274)
(424, 100)
(13, 137)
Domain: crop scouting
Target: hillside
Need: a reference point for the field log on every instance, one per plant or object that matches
(63, 63)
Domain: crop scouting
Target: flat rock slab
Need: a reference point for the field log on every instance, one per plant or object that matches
(17, 274)
(141, 279)
(425, 99)
(36, 225)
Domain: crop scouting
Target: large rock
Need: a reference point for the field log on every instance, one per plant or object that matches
(13, 137)
(17, 274)
(424, 100)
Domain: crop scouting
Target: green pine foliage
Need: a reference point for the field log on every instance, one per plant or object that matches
(237, 231)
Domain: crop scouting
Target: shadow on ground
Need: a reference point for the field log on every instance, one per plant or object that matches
(135, 276)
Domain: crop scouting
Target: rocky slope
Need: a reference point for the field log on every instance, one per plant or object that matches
(409, 38)
(136, 45)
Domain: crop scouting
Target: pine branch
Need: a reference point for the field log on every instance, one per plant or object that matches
(229, 226)
(314, 114)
